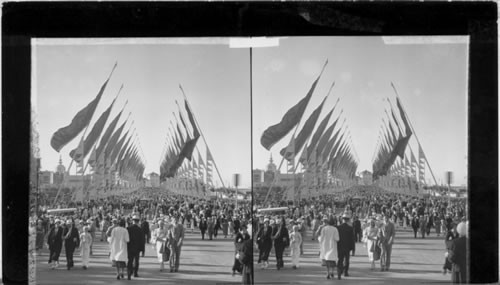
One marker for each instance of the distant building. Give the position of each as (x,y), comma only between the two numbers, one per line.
(272,176)
(258,175)
(46,178)
(366,177)
(154,179)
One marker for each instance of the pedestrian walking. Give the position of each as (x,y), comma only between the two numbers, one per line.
(118,242)
(147,233)
(85,242)
(176,236)
(245,257)
(345,245)
(54,241)
(328,239)
(386,236)
(210,226)
(415,224)
(240,238)
(370,236)
(134,246)
(423,225)
(295,242)
(71,239)
(281,240)
(203,227)
(264,243)
(457,255)
(159,240)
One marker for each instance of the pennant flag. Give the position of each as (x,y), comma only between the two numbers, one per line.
(112,143)
(325,138)
(408,131)
(291,118)
(66,134)
(105,137)
(304,133)
(93,135)
(196,133)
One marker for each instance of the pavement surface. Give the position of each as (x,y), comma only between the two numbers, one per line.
(202,262)
(413,261)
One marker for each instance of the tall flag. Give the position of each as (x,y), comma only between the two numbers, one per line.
(291,118)
(196,133)
(319,131)
(414,165)
(112,143)
(81,120)
(93,135)
(408,131)
(304,133)
(325,138)
(105,138)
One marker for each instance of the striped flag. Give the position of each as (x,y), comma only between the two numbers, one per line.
(421,165)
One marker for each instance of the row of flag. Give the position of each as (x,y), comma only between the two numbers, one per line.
(180,169)
(319,150)
(393,140)
(112,148)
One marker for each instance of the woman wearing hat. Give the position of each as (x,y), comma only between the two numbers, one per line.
(119,252)
(159,238)
(281,240)
(328,239)
(85,242)
(55,240)
(370,236)
(457,255)
(264,243)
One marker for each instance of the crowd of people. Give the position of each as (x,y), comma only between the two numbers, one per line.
(132,222)
(367,215)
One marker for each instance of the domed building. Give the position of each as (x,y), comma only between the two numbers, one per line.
(271,171)
(60,172)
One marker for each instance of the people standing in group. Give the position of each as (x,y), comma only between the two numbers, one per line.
(54,241)
(328,238)
(387,233)
(119,253)
(345,245)
(370,236)
(264,243)
(176,236)
(159,239)
(85,242)
(71,239)
(295,242)
(135,246)
(281,239)
(240,238)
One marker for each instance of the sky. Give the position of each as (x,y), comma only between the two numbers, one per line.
(68,74)
(430,77)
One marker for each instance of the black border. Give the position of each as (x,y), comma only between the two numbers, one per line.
(21,21)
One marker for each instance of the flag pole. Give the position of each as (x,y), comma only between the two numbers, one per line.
(81,141)
(291,140)
(203,136)
(413,130)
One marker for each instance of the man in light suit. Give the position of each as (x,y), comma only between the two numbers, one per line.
(386,235)
(176,236)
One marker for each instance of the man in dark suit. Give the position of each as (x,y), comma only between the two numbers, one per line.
(134,246)
(265,243)
(55,241)
(344,245)
(386,236)
(147,233)
(71,241)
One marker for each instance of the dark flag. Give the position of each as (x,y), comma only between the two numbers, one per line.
(403,117)
(196,133)
(93,135)
(107,134)
(291,118)
(325,138)
(66,134)
(304,133)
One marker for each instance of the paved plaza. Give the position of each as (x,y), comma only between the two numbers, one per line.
(202,262)
(414,261)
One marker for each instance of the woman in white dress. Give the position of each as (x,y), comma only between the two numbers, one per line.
(295,241)
(159,237)
(118,243)
(370,237)
(328,246)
